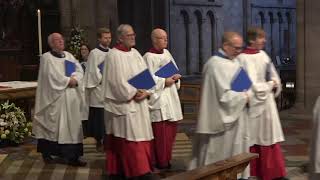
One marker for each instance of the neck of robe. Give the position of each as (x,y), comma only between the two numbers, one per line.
(250,50)
(57,54)
(121,47)
(156,51)
(102,48)
(222,54)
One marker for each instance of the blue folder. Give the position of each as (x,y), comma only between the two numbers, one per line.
(70,67)
(241,81)
(142,80)
(167,70)
(101,66)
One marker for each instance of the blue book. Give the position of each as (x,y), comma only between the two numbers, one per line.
(167,70)
(101,66)
(241,81)
(142,80)
(70,67)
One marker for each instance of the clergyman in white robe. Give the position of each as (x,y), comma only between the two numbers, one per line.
(165,108)
(264,118)
(222,126)
(128,127)
(93,81)
(57,120)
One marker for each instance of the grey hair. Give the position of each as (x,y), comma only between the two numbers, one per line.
(122,29)
(50,40)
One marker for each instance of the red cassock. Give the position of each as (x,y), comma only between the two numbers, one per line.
(164,137)
(270,164)
(127,157)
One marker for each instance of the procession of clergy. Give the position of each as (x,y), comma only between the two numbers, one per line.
(137,127)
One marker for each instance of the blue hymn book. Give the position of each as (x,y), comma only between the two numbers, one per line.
(70,67)
(143,80)
(167,70)
(101,66)
(241,81)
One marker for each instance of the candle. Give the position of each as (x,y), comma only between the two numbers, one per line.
(39,32)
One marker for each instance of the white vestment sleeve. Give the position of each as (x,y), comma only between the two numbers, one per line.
(120,89)
(93,76)
(51,84)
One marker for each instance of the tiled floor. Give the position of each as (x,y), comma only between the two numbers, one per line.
(23,162)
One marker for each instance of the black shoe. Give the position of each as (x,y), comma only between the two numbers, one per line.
(48,159)
(77,162)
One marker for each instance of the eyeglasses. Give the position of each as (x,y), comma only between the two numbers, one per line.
(236,47)
(131,35)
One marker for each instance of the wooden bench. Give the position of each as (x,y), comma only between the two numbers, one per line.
(221,170)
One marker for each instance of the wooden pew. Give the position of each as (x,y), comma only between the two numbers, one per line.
(221,170)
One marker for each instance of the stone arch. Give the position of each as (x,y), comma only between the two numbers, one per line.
(288,33)
(199,19)
(262,19)
(186,22)
(271,25)
(213,26)
(280,20)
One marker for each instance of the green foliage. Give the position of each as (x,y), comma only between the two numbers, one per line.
(77,37)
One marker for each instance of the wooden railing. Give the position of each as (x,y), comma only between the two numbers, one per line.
(222,170)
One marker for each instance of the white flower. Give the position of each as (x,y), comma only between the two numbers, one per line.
(3,124)
(7,132)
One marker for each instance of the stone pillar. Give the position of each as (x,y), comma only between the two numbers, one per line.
(312,61)
(65,16)
(89,15)
(300,61)
(308,74)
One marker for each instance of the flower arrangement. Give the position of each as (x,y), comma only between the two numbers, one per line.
(14,127)
(77,38)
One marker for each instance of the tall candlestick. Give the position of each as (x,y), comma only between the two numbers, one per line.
(39,32)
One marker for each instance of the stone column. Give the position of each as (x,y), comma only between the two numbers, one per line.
(312,60)
(65,16)
(300,62)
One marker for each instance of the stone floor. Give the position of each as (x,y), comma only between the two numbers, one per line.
(23,162)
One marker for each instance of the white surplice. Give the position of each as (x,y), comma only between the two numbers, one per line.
(164,103)
(222,127)
(314,171)
(93,77)
(57,109)
(126,118)
(264,118)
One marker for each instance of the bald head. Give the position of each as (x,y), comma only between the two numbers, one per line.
(159,39)
(56,42)
(229,36)
(232,44)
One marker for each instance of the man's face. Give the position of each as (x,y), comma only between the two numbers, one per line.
(161,40)
(128,38)
(234,47)
(57,42)
(259,43)
(105,39)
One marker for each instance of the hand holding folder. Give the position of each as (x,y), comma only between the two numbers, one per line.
(167,70)
(70,67)
(142,80)
(241,81)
